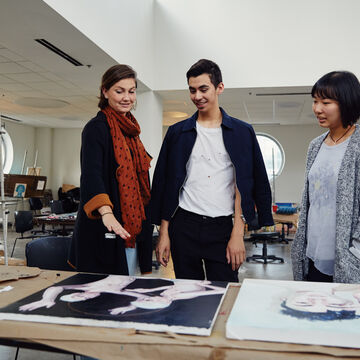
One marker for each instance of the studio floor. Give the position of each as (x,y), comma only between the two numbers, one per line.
(256,270)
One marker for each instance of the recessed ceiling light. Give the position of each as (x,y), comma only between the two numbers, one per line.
(175,114)
(36,102)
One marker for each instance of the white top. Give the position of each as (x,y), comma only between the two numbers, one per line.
(209,187)
(321,226)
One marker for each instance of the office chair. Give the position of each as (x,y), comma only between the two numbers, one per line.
(264,238)
(35,204)
(56,207)
(24,222)
(70,199)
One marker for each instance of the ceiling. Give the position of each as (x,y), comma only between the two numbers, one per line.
(37,86)
(260,106)
(40,88)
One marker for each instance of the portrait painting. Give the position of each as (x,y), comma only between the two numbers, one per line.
(19,190)
(181,306)
(297,312)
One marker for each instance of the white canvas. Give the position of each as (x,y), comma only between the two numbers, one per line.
(296,312)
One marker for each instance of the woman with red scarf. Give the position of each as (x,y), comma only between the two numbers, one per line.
(113,229)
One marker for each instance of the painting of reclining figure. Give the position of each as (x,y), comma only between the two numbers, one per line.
(182,306)
(297,312)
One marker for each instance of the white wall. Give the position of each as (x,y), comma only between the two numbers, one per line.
(65,158)
(124,29)
(43,143)
(295,140)
(149,115)
(257,43)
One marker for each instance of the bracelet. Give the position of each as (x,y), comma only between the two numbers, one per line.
(109,212)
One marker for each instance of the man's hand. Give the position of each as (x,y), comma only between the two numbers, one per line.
(163,245)
(235,251)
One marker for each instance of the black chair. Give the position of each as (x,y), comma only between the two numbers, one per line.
(70,199)
(50,252)
(23,223)
(57,207)
(35,204)
(264,238)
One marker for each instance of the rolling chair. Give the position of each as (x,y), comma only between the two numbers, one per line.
(24,222)
(264,238)
(35,204)
(56,207)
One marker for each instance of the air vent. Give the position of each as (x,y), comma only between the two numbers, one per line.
(10,118)
(59,52)
(284,94)
(265,123)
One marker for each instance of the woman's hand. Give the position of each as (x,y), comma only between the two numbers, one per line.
(112,224)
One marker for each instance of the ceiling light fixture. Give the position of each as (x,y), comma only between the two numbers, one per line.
(176,114)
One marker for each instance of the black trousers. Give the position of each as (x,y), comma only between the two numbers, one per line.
(200,241)
(316,275)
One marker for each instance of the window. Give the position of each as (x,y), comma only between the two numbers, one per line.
(7,151)
(269,146)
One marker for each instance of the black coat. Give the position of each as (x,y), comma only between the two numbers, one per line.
(90,251)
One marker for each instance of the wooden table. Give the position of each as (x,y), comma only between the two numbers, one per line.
(108,344)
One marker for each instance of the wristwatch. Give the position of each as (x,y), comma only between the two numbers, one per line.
(243,218)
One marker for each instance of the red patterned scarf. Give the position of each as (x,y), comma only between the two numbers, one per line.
(132,173)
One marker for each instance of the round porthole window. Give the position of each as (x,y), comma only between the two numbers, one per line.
(7,151)
(273,154)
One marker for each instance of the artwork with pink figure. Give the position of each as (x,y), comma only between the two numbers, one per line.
(182,306)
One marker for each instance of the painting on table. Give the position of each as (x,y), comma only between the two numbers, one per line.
(182,306)
(297,312)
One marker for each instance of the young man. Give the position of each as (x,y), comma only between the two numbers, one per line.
(209,168)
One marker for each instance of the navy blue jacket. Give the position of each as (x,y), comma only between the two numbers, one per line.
(244,151)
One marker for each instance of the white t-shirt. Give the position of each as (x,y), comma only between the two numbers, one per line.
(209,188)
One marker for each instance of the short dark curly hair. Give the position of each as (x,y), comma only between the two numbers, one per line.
(205,66)
(343,87)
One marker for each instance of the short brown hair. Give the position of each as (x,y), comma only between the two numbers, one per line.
(111,77)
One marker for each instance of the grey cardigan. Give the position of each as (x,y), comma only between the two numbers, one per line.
(347,266)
